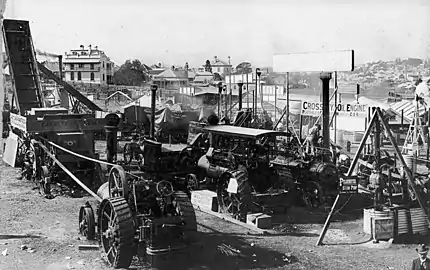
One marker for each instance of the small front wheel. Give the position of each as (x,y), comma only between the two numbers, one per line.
(87,226)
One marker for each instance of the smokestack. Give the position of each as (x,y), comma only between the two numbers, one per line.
(240,95)
(82,47)
(89,46)
(186,67)
(154,88)
(60,66)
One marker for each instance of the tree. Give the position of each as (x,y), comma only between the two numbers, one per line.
(208,66)
(412,62)
(244,68)
(132,73)
(218,77)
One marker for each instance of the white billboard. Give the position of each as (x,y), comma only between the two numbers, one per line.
(314,62)
(347,109)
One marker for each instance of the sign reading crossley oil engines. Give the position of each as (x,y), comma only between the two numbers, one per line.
(348,109)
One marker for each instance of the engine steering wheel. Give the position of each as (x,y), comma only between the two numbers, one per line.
(164,188)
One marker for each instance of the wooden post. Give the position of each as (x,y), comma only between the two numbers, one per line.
(390,187)
(276,99)
(3,93)
(327,222)
(428,139)
(401,120)
(335,107)
(287,105)
(301,128)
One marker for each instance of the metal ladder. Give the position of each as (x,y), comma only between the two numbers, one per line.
(22,65)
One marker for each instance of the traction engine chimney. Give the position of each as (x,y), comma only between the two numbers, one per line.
(154,88)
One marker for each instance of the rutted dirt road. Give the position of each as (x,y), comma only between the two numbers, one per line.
(48,228)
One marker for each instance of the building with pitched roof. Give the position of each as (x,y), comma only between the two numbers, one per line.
(89,65)
(218,66)
(171,79)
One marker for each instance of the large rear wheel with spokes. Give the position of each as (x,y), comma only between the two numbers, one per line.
(116,231)
(118,185)
(235,204)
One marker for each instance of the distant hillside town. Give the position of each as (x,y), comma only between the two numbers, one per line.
(90,70)
(91,65)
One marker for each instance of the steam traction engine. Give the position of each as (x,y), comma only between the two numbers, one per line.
(141,208)
(248,172)
(316,181)
(237,167)
(138,214)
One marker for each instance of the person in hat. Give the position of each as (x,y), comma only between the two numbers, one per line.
(422,262)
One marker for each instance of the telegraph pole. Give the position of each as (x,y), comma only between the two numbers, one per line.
(2,90)
(229,83)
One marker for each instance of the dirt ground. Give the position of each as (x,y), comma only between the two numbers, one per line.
(49,229)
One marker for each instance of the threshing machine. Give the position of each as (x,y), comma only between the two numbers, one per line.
(136,207)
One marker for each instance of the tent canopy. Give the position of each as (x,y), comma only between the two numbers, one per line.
(144,101)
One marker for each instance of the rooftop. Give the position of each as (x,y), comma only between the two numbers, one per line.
(171,75)
(85,53)
(82,60)
(52,66)
(242,131)
(218,62)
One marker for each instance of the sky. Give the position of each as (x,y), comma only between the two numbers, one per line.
(179,31)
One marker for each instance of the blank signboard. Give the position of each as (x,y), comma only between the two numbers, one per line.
(10,151)
(314,62)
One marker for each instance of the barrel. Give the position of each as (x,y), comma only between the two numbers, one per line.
(369,214)
(410,163)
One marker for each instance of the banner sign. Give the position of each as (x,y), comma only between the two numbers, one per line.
(349,109)
(18,121)
(348,185)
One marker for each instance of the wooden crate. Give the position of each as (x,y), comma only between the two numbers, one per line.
(260,220)
(204,199)
(382,228)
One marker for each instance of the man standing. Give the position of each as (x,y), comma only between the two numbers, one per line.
(422,262)
(312,138)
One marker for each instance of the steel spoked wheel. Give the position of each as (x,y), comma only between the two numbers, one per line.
(87,223)
(116,232)
(235,204)
(118,186)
